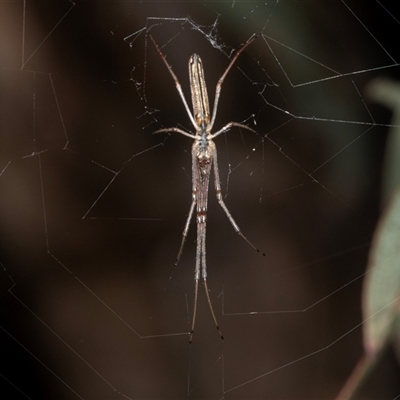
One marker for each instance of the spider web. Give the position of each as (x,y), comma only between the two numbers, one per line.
(93,204)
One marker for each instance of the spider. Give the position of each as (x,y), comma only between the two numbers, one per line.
(204,157)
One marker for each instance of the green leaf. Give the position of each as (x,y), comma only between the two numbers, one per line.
(381,294)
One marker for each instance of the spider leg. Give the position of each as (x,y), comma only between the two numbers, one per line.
(186,230)
(223,205)
(228,126)
(211,309)
(177,130)
(196,291)
(221,80)
(177,84)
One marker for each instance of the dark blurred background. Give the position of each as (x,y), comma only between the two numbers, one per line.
(93,204)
